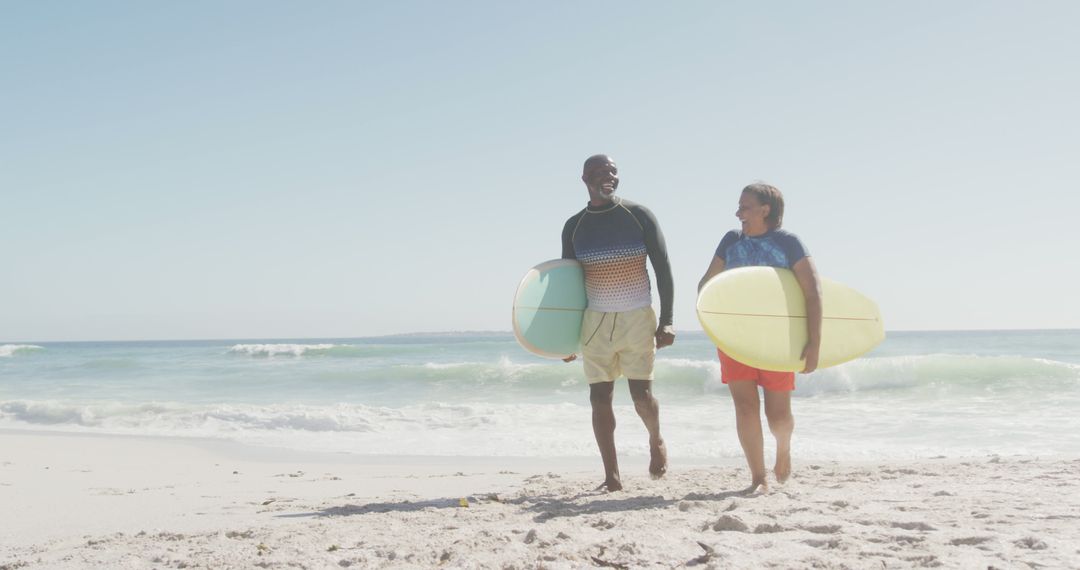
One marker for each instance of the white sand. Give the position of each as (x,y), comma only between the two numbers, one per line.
(112,502)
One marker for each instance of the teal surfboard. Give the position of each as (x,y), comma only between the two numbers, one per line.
(548,308)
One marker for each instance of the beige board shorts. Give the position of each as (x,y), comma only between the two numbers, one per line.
(618,344)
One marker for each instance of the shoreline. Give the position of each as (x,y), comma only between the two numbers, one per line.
(75,500)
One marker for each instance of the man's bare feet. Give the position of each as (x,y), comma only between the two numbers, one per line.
(658,461)
(782,470)
(610,485)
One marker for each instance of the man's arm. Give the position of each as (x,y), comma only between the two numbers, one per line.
(656,247)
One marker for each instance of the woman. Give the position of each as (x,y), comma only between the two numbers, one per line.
(762,242)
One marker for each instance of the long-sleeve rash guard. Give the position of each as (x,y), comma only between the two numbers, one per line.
(611,242)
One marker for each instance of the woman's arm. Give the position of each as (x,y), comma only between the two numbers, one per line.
(807,276)
(715,267)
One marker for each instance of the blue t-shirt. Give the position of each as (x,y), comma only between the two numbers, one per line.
(775,248)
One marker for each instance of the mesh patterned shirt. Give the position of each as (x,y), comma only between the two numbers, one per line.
(774,248)
(612,242)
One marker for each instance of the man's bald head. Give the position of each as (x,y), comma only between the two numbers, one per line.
(595,160)
(601,177)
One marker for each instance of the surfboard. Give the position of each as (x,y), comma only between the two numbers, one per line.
(757,315)
(548,307)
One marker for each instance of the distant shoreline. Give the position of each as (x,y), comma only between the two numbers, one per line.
(467,333)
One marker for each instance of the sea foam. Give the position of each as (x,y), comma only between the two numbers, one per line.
(9,350)
(271,350)
(939,394)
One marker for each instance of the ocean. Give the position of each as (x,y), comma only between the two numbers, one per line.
(918,395)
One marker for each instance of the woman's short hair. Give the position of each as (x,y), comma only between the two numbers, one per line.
(769,195)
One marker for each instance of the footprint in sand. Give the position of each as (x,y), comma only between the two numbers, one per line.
(969,541)
(687,505)
(768,528)
(830,544)
(912,526)
(114,492)
(538,478)
(238,534)
(603,524)
(926,560)
(1032,543)
(728,523)
(822,529)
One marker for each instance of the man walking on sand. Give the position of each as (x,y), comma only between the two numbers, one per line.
(620,333)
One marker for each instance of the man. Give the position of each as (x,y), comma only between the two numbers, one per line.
(611,238)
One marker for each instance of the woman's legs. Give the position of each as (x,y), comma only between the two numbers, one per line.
(748,423)
(782,424)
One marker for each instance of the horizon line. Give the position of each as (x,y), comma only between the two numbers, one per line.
(473,332)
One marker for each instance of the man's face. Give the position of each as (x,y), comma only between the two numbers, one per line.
(602,178)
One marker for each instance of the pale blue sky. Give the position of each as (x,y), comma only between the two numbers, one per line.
(282,169)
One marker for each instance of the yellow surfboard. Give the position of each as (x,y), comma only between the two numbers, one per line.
(757,315)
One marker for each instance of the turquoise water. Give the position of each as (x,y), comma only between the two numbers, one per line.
(920,394)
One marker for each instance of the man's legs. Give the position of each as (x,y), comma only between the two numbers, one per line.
(782,424)
(603,423)
(744,393)
(649,409)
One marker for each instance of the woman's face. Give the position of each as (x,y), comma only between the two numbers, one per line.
(752,214)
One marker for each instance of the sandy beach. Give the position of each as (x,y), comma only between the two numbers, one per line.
(120,502)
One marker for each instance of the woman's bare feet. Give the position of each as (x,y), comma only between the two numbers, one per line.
(759,485)
(658,461)
(782,469)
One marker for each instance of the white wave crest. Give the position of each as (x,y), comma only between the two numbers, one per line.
(706,371)
(448,365)
(842,428)
(9,350)
(228,420)
(180,419)
(949,372)
(706,365)
(431,428)
(271,350)
(505,369)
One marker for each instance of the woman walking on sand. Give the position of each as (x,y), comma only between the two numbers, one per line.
(761,242)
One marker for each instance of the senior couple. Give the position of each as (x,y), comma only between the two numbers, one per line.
(611,237)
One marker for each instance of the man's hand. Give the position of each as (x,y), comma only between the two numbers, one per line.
(570,358)
(665,336)
(810,355)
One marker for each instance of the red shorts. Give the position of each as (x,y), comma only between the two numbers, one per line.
(734,371)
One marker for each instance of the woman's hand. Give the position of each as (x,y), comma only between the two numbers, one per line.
(806,275)
(810,355)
